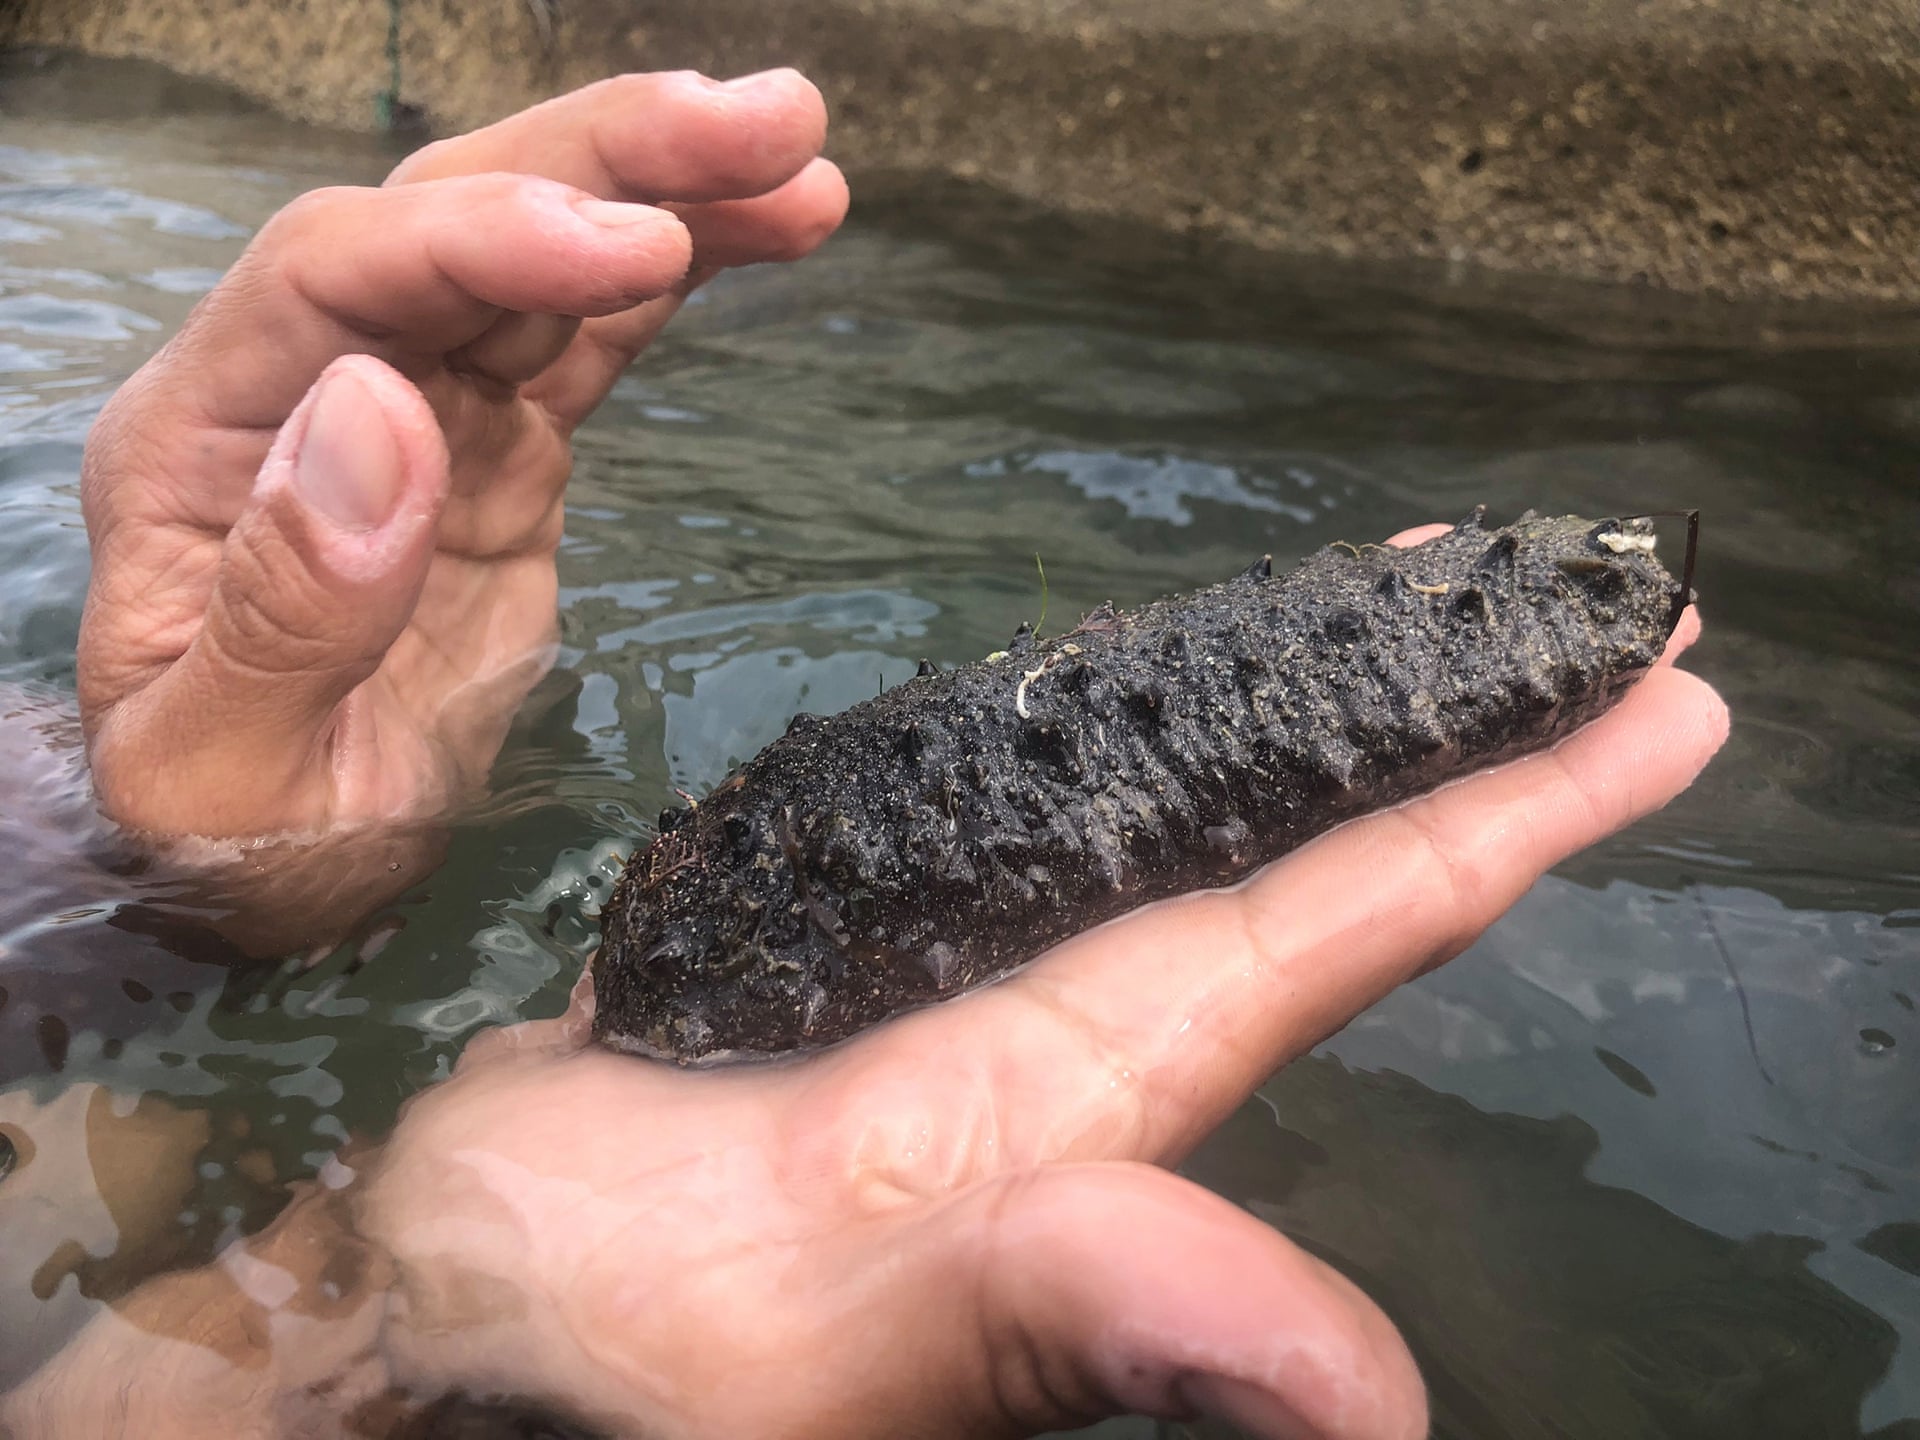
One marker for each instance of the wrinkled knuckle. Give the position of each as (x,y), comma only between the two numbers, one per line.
(267,636)
(1439,867)
(1589,804)
(1087,1047)
(1250,914)
(277,618)
(1449,885)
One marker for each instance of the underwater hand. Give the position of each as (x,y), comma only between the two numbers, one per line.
(324,516)
(955,1224)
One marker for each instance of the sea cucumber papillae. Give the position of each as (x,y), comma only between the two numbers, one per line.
(935,837)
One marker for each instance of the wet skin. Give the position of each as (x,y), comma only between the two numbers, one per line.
(340,579)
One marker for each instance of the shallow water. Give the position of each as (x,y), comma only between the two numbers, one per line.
(1646,1161)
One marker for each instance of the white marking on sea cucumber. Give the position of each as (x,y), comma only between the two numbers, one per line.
(1620,543)
(1020,694)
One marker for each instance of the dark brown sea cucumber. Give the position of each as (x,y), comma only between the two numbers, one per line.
(935,837)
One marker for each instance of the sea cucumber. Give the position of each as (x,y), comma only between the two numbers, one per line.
(935,837)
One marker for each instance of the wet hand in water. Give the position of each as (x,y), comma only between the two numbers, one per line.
(324,517)
(954,1225)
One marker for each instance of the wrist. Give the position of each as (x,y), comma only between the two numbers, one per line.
(290,894)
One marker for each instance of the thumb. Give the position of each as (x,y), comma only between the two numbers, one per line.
(316,581)
(1057,1296)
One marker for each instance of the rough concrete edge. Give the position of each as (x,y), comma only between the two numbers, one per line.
(1405,142)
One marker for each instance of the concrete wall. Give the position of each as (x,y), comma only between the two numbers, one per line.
(1730,146)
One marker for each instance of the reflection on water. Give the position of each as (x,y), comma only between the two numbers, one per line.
(1644,1162)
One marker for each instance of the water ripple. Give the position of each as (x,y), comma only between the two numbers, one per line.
(1164,487)
(72,319)
(98,204)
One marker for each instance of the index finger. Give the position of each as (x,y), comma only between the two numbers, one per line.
(676,136)
(409,275)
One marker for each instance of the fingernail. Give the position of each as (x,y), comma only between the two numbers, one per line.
(349,466)
(753,81)
(612,214)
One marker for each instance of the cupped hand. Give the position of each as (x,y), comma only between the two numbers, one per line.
(324,516)
(956,1224)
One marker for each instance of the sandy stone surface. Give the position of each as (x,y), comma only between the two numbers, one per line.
(1745,147)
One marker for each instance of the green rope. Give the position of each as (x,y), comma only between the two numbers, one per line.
(386,105)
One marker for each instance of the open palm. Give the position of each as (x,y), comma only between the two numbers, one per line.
(955,1224)
(324,517)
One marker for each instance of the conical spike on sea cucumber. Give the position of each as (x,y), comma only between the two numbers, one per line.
(1497,559)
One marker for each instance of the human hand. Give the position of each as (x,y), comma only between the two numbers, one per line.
(324,516)
(953,1225)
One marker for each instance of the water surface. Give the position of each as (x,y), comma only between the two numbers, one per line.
(1644,1162)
